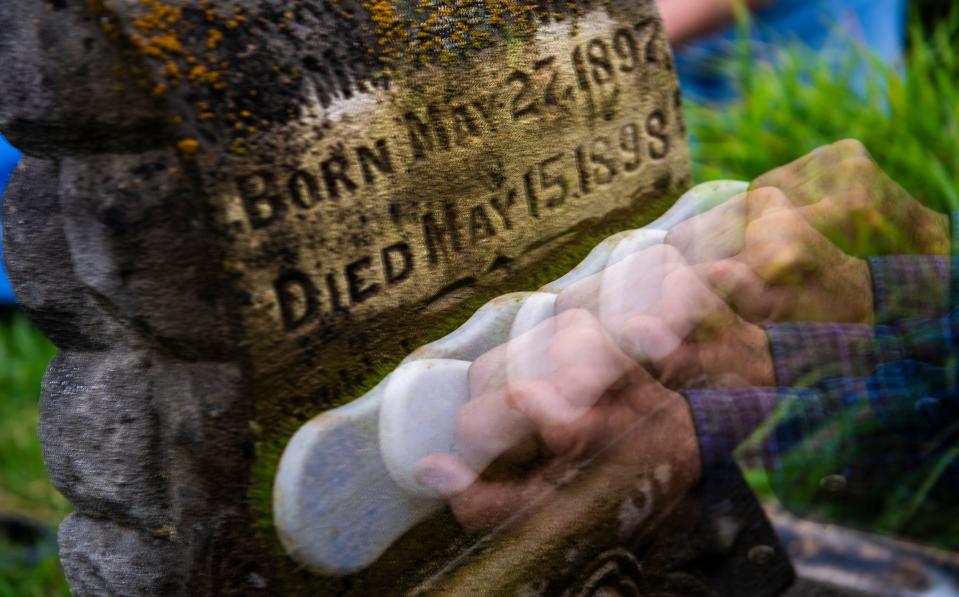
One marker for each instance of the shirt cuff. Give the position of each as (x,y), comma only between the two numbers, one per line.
(909,287)
(806,353)
(724,418)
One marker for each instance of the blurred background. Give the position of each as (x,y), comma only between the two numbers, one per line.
(762,84)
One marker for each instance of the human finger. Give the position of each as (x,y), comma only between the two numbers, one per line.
(764,201)
(648,339)
(478,504)
(489,427)
(715,234)
(744,291)
(635,285)
(688,305)
(802,179)
(778,248)
(445,474)
(562,425)
(584,359)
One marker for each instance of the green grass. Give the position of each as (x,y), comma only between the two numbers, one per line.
(909,122)
(24,487)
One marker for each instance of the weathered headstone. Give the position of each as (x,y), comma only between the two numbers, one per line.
(233,215)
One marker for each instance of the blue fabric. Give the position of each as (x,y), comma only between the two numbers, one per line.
(833,27)
(9,157)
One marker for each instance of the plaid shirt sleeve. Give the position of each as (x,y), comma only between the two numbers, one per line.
(874,431)
(911,295)
(910,287)
(804,354)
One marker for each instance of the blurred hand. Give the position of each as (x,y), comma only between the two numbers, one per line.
(842,193)
(692,338)
(660,312)
(590,410)
(787,271)
(712,235)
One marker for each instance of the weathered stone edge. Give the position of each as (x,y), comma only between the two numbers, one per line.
(151,447)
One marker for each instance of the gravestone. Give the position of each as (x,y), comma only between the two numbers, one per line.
(234,215)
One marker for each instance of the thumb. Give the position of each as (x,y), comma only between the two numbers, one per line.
(477,504)
(765,201)
(445,474)
(647,338)
(824,214)
(744,291)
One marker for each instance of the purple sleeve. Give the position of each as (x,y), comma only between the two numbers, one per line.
(806,353)
(726,417)
(909,287)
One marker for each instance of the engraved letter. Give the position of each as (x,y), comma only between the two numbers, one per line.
(262,204)
(485,106)
(480,225)
(354,279)
(436,235)
(605,169)
(380,159)
(549,181)
(629,143)
(659,142)
(334,169)
(304,191)
(463,124)
(297,297)
(502,206)
(421,133)
(392,276)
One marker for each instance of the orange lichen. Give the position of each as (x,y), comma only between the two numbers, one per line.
(156,33)
(188,147)
(448,29)
(198,72)
(214,37)
(239,147)
(168,43)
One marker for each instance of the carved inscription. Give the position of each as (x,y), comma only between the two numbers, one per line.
(422,186)
(446,230)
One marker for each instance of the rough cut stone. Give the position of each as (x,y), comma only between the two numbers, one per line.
(39,261)
(101,557)
(101,435)
(139,242)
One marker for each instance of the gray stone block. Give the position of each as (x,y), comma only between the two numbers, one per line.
(99,424)
(103,558)
(53,100)
(40,265)
(139,241)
